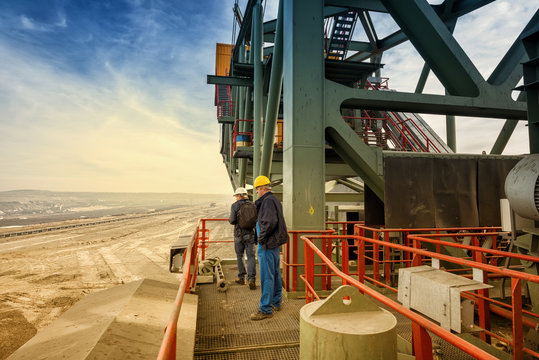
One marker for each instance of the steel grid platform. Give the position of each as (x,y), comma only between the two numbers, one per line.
(225,331)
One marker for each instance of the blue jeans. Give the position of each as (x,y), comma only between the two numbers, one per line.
(270,278)
(240,247)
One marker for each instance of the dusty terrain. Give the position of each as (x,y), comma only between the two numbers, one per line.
(42,275)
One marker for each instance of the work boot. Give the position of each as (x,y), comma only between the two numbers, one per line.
(260,316)
(240,281)
(276,308)
(252,285)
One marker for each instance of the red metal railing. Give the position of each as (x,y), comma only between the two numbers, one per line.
(248,135)
(200,240)
(204,236)
(421,341)
(403,140)
(190,264)
(376,249)
(291,266)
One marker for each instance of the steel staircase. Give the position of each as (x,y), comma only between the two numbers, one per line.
(341,34)
(225,106)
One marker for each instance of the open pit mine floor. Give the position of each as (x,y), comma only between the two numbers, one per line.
(44,274)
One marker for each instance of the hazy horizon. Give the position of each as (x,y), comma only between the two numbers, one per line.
(116,192)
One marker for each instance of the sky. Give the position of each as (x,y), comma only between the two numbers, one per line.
(111,95)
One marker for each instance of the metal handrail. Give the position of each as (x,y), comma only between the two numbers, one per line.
(483,302)
(168,345)
(422,351)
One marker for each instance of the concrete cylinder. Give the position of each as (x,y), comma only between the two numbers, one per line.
(347,325)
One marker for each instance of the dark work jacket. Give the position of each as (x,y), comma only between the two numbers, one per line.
(271,222)
(248,236)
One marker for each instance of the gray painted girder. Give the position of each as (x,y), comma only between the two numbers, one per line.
(274,96)
(303,89)
(432,39)
(495,106)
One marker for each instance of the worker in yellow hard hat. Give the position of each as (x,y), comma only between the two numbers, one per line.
(271,234)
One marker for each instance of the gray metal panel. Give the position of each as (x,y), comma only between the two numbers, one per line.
(491,180)
(448,190)
(428,192)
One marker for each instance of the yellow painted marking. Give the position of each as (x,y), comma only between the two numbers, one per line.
(311,211)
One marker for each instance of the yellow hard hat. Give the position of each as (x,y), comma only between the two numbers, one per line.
(260,181)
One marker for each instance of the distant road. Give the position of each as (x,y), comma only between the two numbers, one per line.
(70,226)
(91,214)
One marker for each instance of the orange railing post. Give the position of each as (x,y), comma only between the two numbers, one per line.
(376,258)
(167,351)
(344,257)
(295,261)
(309,271)
(518,337)
(421,342)
(387,263)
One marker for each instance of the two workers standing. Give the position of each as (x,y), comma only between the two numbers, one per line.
(270,233)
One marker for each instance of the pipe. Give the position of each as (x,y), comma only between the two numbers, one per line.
(256,45)
(274,96)
(222,285)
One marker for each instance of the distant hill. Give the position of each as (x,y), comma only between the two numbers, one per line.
(31,206)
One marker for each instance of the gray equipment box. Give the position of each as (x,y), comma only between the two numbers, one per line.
(436,294)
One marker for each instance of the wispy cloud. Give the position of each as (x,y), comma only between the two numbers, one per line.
(111,96)
(136,116)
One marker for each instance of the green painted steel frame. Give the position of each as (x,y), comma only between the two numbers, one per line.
(422,24)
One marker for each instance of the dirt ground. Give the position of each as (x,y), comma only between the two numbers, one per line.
(42,275)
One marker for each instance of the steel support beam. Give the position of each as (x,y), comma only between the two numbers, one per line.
(531,85)
(506,132)
(229,80)
(333,171)
(303,87)
(274,96)
(366,161)
(240,113)
(483,106)
(345,197)
(258,106)
(451,131)
(432,39)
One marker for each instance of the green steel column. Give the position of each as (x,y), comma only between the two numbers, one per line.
(422,79)
(240,113)
(303,92)
(434,42)
(256,44)
(303,154)
(274,96)
(503,137)
(451,130)
(531,78)
(506,132)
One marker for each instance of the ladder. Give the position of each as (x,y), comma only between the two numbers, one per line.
(341,34)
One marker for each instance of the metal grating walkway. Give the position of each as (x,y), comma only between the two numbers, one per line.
(225,331)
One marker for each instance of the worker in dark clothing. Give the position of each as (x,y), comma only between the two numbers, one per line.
(271,234)
(244,239)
